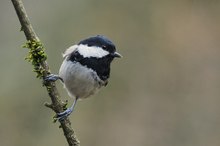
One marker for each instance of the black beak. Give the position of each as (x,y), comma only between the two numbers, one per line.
(116,54)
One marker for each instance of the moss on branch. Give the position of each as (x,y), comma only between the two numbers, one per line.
(36,56)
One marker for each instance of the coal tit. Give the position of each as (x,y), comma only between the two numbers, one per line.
(86,68)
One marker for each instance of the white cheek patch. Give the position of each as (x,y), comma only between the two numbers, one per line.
(91,51)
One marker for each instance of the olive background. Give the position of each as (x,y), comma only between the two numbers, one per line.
(165,91)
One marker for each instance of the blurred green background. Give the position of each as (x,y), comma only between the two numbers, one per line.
(164,92)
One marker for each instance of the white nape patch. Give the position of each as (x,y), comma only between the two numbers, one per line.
(69,50)
(91,51)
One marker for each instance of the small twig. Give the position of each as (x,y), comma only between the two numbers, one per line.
(38,58)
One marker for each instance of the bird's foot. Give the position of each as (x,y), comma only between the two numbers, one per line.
(66,113)
(61,116)
(52,78)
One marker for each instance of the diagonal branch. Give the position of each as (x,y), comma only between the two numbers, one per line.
(38,58)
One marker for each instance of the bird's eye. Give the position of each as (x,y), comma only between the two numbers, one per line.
(104,47)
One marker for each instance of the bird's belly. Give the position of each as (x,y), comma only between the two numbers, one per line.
(81,88)
(79,81)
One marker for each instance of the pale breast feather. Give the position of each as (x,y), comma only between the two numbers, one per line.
(69,51)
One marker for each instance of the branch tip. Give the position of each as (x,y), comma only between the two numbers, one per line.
(49,105)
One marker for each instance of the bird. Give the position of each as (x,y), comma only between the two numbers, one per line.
(85,68)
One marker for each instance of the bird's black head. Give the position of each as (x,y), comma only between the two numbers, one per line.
(99,41)
(96,53)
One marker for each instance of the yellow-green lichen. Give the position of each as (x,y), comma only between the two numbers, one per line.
(36,56)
